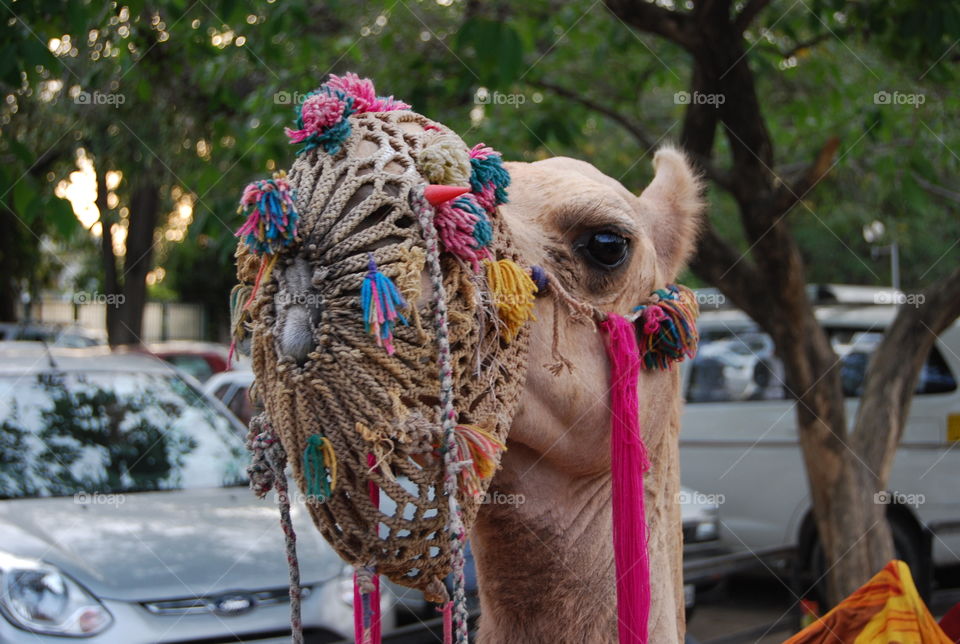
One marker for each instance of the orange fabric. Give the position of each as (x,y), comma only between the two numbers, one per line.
(885,610)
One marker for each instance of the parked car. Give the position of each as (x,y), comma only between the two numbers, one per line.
(125,516)
(199,359)
(739,439)
(699,512)
(232,389)
(58,335)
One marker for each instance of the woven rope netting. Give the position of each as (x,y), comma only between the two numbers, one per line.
(319,372)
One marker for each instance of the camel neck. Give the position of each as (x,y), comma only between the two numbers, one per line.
(544,555)
(543,547)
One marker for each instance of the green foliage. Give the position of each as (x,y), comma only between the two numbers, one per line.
(204,110)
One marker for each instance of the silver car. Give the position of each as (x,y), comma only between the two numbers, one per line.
(125,515)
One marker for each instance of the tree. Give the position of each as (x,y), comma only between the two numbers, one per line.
(845,468)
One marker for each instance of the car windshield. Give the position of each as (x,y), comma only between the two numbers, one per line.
(109,432)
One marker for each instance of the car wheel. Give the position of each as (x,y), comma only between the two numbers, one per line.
(908,546)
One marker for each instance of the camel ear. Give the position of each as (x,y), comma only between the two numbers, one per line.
(671,207)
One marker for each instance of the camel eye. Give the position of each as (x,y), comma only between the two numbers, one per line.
(604,249)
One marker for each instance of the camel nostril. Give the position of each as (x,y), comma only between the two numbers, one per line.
(299,308)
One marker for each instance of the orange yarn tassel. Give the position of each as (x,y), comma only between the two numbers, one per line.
(482,448)
(513,293)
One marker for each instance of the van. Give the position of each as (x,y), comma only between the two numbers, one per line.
(739,443)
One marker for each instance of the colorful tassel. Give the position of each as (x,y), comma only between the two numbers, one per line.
(666,329)
(381,301)
(456,222)
(513,293)
(319,468)
(628,463)
(488,177)
(271,215)
(480,449)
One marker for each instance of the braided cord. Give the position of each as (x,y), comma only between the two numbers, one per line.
(448,414)
(268,470)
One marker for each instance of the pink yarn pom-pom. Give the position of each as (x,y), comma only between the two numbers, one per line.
(455,227)
(318,112)
(364,95)
(482,151)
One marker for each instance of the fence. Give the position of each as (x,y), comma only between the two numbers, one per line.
(161,320)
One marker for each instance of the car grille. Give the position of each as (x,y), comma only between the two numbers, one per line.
(208,604)
(310,636)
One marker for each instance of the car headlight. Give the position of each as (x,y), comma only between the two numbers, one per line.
(38,597)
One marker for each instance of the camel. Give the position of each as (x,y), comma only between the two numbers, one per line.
(545,566)
(343,402)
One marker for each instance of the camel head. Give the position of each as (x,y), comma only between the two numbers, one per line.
(408,322)
(543,542)
(607,247)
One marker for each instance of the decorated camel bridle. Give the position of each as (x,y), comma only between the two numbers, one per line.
(368,380)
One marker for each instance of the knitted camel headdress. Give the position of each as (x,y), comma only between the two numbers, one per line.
(384,308)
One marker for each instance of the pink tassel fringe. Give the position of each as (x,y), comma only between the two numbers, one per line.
(629,462)
(368,603)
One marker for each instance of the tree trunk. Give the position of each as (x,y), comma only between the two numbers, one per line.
(127,294)
(11,257)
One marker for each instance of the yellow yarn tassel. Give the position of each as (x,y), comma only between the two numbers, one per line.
(513,292)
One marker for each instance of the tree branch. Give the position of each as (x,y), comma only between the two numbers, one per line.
(749,13)
(788,197)
(626,123)
(933,188)
(718,263)
(647,16)
(894,368)
(704,164)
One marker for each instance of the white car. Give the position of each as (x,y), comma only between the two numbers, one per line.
(125,514)
(739,441)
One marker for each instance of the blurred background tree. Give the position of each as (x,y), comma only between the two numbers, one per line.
(170,107)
